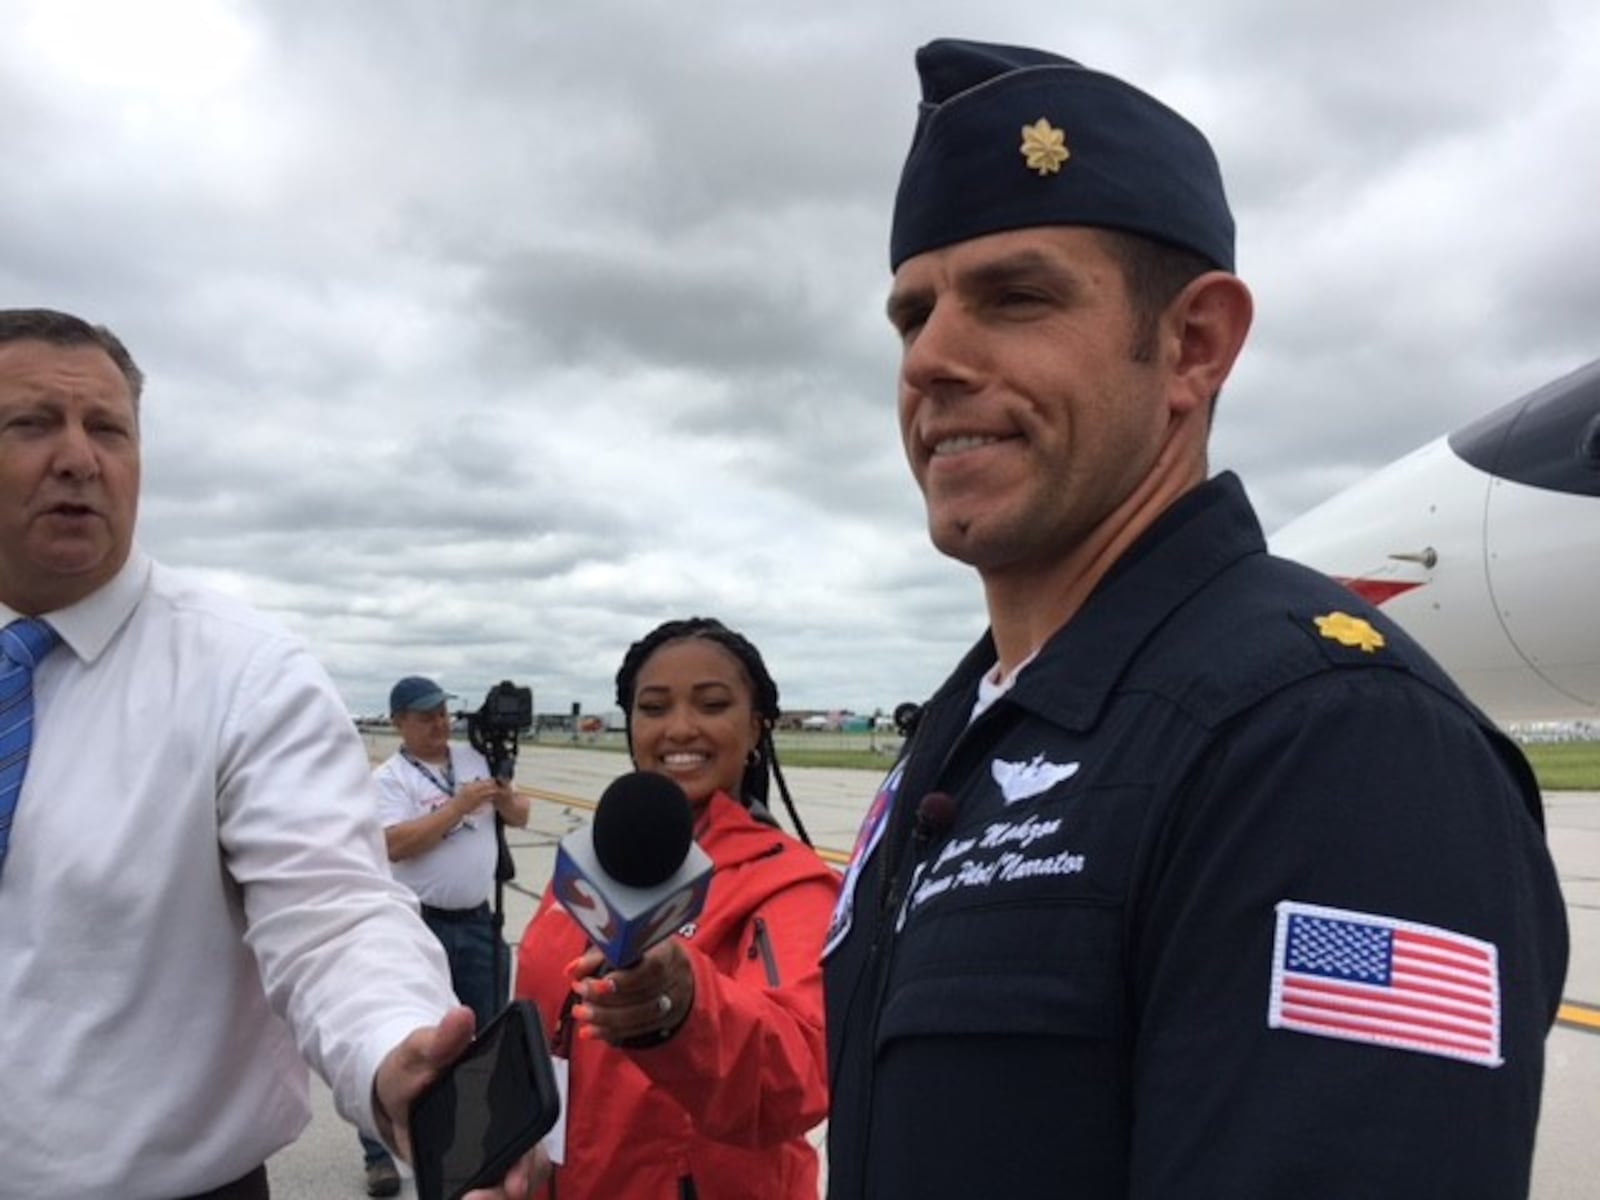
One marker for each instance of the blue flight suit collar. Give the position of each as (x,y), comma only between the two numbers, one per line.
(1069,681)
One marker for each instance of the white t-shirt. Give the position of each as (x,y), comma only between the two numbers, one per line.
(459,871)
(993,685)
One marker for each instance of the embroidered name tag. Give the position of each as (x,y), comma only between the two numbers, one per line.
(1361,977)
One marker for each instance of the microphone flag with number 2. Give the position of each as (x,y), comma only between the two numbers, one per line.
(642,832)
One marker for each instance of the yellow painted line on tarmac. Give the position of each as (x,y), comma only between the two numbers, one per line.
(837,858)
(560,798)
(1580,1016)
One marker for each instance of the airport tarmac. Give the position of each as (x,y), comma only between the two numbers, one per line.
(325,1164)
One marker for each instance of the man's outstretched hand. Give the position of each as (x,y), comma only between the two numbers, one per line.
(415,1063)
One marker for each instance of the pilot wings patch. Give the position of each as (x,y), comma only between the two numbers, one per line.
(1025,780)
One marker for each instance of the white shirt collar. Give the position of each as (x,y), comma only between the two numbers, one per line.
(993,685)
(89,625)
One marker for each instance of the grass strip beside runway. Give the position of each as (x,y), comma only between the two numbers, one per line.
(1559,766)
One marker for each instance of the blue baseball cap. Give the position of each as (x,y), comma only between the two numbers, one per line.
(1011,138)
(416,694)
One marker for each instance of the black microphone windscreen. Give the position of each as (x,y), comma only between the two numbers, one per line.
(936,813)
(642,829)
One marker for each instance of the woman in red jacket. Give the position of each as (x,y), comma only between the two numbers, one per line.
(697,1072)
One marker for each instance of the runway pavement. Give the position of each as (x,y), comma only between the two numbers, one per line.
(325,1164)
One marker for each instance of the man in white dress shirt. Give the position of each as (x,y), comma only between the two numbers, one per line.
(193,896)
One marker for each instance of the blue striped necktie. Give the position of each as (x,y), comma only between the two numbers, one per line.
(22,645)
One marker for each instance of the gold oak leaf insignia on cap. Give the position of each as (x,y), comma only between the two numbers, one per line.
(1044,147)
(1349,631)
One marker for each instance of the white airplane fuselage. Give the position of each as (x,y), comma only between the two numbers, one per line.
(1485,546)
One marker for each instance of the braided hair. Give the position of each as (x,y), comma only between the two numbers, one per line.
(763,762)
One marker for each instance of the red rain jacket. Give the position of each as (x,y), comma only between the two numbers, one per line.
(720,1111)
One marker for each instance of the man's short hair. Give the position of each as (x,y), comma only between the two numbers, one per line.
(1153,273)
(64,329)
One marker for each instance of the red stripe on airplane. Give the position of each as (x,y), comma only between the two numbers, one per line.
(1376,591)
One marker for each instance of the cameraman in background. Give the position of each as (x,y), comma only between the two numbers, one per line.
(438,802)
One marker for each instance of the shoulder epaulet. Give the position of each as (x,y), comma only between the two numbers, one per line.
(1348,640)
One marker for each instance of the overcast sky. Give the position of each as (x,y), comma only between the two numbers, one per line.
(482,335)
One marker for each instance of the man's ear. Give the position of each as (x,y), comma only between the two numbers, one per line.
(1209,320)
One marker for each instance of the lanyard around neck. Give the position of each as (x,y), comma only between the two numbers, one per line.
(446,784)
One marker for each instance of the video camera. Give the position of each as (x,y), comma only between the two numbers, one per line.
(493,730)
(506,714)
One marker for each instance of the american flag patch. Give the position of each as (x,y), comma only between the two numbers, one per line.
(1365,978)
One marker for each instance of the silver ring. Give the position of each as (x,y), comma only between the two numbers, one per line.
(664,1003)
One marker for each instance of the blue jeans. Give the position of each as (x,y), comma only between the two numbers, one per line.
(373,1151)
(468,939)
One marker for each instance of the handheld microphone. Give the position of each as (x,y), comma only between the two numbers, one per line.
(635,875)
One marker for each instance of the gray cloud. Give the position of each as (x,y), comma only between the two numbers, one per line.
(482,337)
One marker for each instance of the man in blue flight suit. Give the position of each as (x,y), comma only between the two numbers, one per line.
(1197,878)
